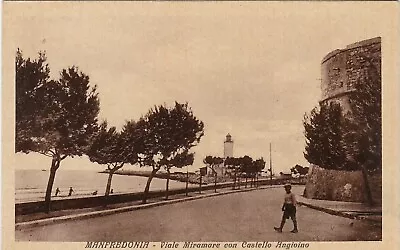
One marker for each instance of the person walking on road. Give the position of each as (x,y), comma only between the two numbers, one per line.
(57,191)
(70,191)
(289,209)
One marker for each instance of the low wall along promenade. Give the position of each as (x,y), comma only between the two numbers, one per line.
(97,201)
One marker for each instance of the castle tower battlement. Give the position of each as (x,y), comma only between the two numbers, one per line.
(341,68)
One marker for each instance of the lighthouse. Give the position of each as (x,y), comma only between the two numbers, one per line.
(228,146)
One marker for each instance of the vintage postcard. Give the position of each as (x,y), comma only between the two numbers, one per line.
(200,125)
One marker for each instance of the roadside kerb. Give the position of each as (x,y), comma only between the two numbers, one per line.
(47,221)
(345,214)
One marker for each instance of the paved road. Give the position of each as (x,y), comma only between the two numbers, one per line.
(246,216)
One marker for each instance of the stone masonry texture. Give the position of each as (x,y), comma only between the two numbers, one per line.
(341,68)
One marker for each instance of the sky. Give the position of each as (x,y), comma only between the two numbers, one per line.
(245,68)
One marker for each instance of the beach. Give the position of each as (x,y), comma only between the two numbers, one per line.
(30,185)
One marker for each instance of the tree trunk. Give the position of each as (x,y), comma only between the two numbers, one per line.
(200,183)
(55,164)
(238,182)
(167,185)
(215,181)
(234,181)
(147,188)
(108,187)
(368,192)
(187,182)
(257,183)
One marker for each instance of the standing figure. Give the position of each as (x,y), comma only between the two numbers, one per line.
(70,191)
(57,191)
(289,209)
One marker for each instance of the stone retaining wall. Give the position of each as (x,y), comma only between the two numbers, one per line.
(326,184)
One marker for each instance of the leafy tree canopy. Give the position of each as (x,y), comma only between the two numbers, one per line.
(168,133)
(299,170)
(213,160)
(54,118)
(106,147)
(323,131)
(259,164)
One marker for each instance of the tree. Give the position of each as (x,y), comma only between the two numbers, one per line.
(299,170)
(323,130)
(30,78)
(166,133)
(64,116)
(109,147)
(213,162)
(363,138)
(259,165)
(232,164)
(179,161)
(245,163)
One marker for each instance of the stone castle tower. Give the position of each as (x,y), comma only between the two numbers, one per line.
(341,68)
(228,146)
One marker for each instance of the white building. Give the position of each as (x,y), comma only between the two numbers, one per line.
(228,152)
(228,146)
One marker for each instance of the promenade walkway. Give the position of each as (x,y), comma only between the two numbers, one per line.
(352,210)
(232,216)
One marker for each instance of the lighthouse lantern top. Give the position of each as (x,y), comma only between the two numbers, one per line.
(228,138)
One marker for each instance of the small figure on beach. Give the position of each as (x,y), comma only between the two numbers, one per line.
(112,191)
(57,191)
(70,191)
(289,209)
(95,192)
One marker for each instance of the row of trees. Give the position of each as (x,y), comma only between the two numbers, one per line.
(349,139)
(160,139)
(238,166)
(58,118)
(55,118)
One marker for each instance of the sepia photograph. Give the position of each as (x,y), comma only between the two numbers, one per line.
(217,125)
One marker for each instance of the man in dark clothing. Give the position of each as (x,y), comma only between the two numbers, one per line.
(289,209)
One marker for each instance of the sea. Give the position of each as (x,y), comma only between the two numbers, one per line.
(30,185)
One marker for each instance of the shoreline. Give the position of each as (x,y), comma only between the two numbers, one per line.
(181,177)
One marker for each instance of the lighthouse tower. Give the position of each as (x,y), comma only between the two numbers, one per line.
(228,146)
